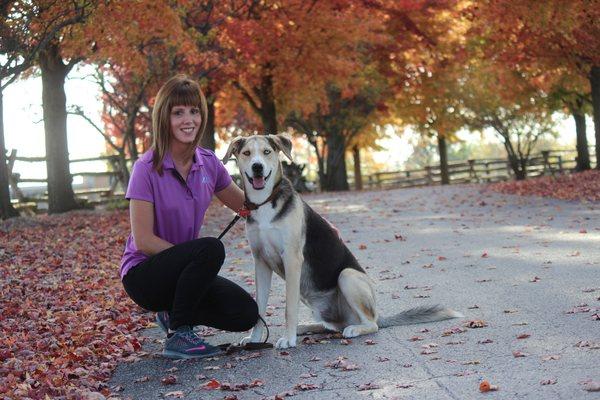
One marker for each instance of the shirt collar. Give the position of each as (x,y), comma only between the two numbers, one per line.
(196,163)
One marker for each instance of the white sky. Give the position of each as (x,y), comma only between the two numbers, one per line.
(23,108)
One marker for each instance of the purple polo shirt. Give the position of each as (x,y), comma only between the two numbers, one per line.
(179,206)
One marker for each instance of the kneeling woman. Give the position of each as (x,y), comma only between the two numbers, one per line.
(166,268)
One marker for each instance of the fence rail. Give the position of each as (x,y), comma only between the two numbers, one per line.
(549,162)
(92,194)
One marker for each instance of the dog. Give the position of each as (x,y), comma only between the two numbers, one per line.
(289,238)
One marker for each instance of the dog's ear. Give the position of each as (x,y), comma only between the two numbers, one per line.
(282,143)
(234,148)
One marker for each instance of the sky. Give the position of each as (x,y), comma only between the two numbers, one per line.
(24,129)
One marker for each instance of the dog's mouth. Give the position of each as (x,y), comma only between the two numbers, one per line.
(258,182)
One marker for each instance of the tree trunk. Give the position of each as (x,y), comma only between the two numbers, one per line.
(321,170)
(130,132)
(6,208)
(515,165)
(54,72)
(583,153)
(595,83)
(336,176)
(268,113)
(443,151)
(208,139)
(357,168)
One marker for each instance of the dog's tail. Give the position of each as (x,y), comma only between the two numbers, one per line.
(418,315)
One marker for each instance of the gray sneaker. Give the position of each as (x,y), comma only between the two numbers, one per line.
(185,343)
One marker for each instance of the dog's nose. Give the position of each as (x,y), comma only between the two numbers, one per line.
(257,168)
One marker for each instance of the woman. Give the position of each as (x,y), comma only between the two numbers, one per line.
(165,267)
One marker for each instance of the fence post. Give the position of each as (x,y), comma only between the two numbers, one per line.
(560,166)
(472,173)
(547,166)
(13,179)
(429,175)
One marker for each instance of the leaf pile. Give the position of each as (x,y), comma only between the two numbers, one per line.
(66,320)
(581,186)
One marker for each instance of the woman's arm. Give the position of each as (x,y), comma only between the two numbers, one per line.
(232,196)
(142,227)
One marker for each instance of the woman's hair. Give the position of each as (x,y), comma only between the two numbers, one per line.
(180,90)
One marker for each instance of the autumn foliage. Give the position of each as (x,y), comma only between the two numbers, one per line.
(583,186)
(66,320)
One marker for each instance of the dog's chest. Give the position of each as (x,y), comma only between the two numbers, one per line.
(267,243)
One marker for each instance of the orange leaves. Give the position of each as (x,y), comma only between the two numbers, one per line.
(583,186)
(66,318)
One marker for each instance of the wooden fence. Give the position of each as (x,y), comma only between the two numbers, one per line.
(550,162)
(93,194)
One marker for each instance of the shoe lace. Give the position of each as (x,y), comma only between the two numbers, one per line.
(193,338)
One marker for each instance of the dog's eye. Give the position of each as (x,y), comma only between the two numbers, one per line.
(246,153)
(267,151)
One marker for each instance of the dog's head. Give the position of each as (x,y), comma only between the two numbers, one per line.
(258,159)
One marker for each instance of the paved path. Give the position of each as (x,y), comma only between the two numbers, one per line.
(525,266)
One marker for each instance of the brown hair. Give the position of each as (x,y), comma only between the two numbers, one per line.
(180,90)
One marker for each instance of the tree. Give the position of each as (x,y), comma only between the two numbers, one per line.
(26,30)
(491,96)
(344,122)
(287,52)
(132,61)
(420,65)
(550,33)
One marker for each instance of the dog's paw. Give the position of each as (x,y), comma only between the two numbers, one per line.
(351,331)
(284,343)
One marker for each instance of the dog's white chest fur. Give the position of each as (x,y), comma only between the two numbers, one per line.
(266,239)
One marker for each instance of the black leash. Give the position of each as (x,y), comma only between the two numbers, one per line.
(229,348)
(231,224)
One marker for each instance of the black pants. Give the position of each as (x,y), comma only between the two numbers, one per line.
(183,280)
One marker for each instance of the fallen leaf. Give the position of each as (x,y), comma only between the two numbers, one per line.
(306,386)
(368,386)
(213,384)
(178,394)
(551,357)
(476,323)
(523,336)
(548,382)
(169,380)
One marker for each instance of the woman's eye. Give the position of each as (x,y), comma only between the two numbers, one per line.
(267,151)
(195,110)
(246,153)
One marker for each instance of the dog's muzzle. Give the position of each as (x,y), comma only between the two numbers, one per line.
(258,180)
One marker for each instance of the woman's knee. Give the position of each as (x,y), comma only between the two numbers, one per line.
(211,250)
(248,316)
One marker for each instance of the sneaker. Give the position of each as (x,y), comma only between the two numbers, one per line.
(185,343)
(162,320)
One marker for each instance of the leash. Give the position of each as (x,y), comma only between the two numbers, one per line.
(229,348)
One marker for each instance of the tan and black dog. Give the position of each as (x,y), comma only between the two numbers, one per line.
(289,238)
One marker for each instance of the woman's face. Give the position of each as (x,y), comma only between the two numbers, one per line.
(185,123)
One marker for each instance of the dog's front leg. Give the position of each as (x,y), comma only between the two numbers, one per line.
(293,270)
(262,274)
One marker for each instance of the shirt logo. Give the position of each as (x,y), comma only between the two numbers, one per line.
(205,179)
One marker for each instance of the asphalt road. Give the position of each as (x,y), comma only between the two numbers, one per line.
(523,265)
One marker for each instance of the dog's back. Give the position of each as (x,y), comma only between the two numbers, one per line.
(324,252)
